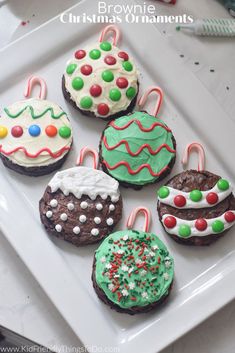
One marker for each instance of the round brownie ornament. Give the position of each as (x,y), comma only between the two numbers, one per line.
(101,80)
(133,270)
(35,134)
(196,207)
(81,205)
(138,149)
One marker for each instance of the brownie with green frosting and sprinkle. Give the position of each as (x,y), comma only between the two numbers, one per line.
(196,207)
(132,271)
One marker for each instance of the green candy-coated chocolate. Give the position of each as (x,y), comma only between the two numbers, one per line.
(65,132)
(115,94)
(223,184)
(77,83)
(86,102)
(127,65)
(195,195)
(217,226)
(107,76)
(184,230)
(131,92)
(106,46)
(163,192)
(137,286)
(71,68)
(95,54)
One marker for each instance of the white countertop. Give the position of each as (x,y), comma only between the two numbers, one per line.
(23,305)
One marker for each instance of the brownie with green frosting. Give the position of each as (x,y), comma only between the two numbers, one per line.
(132,271)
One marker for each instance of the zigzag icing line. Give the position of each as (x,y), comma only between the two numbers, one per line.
(133,172)
(30,155)
(142,128)
(34,116)
(133,154)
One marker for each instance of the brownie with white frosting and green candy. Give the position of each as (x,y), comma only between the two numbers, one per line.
(101,81)
(196,207)
(132,271)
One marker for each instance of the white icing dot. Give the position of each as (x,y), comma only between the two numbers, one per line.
(111,207)
(97,220)
(144,295)
(58,228)
(84,205)
(104,196)
(166,276)
(115,198)
(125,293)
(95,231)
(76,230)
(54,203)
(109,221)
(63,217)
(103,259)
(82,218)
(99,206)
(49,214)
(70,206)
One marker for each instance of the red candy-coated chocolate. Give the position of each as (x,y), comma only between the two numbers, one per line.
(170,222)
(123,55)
(17,131)
(86,70)
(80,54)
(201,224)
(229,216)
(122,82)
(212,198)
(95,90)
(180,201)
(103,109)
(51,130)
(110,60)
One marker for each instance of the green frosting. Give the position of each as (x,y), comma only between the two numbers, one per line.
(133,268)
(33,115)
(135,137)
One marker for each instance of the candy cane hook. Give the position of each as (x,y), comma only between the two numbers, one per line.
(135,213)
(84,152)
(32,81)
(143,99)
(116,34)
(201,155)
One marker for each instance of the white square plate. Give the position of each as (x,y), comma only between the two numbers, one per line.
(203,276)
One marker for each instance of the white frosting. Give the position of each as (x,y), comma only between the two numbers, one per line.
(53,203)
(95,78)
(63,217)
(99,206)
(194,230)
(70,206)
(85,181)
(109,221)
(76,230)
(95,231)
(34,144)
(169,200)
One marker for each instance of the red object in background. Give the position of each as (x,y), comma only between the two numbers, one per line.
(169,1)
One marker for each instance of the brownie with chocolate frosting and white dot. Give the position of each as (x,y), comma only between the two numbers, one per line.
(81,205)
